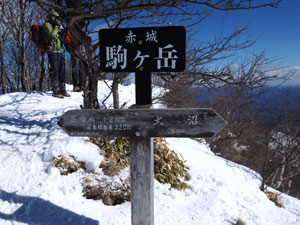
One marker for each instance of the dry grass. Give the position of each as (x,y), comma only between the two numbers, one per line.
(67,165)
(273,197)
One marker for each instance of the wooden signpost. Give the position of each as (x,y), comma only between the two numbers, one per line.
(140,125)
(142,50)
(143,123)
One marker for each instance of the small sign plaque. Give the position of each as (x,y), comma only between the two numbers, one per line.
(146,49)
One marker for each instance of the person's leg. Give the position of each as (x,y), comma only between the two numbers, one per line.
(76,76)
(80,65)
(62,74)
(75,70)
(53,72)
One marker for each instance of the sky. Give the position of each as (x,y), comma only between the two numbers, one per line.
(276,30)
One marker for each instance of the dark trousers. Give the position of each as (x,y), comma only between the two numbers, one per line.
(76,71)
(57,72)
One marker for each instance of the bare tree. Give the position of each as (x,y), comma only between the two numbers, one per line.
(281,165)
(282,143)
(263,137)
(15,17)
(146,12)
(18,15)
(3,75)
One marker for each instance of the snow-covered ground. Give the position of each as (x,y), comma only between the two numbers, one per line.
(33,192)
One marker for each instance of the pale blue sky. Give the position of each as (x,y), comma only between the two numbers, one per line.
(276,30)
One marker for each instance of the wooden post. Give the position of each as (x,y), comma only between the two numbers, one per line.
(143,90)
(141,160)
(142,178)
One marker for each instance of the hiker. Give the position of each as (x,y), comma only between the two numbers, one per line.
(56,56)
(76,63)
(76,73)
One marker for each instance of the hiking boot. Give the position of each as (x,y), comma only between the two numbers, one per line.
(65,94)
(76,89)
(57,95)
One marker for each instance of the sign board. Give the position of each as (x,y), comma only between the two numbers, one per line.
(142,50)
(147,49)
(142,122)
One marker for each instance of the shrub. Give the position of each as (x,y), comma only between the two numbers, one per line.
(237,222)
(273,197)
(168,166)
(67,165)
(116,149)
(110,192)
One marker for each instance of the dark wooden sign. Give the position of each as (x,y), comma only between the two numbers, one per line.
(146,49)
(142,122)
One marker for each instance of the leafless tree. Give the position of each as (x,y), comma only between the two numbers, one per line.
(282,143)
(142,11)
(263,137)
(17,16)
(281,165)
(3,38)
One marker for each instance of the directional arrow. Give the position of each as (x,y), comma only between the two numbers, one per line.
(199,122)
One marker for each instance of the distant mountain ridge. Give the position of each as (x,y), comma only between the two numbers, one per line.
(289,76)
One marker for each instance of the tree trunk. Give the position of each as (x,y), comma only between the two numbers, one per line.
(264,168)
(115,91)
(90,93)
(2,71)
(289,185)
(90,74)
(23,73)
(90,90)
(282,171)
(25,76)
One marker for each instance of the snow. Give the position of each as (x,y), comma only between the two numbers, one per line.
(33,192)
(239,148)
